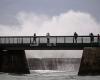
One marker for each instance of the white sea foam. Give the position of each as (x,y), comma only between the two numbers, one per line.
(46,71)
(48,75)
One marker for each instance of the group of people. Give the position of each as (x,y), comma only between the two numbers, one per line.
(47,35)
(74,38)
(91,37)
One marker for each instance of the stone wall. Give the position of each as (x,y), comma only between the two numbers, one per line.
(90,62)
(13,61)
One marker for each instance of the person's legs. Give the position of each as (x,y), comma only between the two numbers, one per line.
(75,39)
(34,40)
(47,40)
(90,40)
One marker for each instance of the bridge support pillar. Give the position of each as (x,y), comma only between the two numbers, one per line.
(13,61)
(90,62)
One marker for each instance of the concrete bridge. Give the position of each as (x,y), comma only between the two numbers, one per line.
(13,59)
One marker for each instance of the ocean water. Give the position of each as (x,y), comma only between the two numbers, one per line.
(47,75)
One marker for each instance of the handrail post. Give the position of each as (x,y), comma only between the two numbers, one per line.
(30,40)
(9,40)
(56,39)
(73,39)
(5,40)
(17,40)
(22,40)
(82,39)
(39,40)
(13,40)
(64,39)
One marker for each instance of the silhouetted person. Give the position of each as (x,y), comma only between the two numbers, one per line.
(91,37)
(75,37)
(98,38)
(34,38)
(48,37)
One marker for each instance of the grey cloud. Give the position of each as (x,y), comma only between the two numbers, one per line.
(9,8)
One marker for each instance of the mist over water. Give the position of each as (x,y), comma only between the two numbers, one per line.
(63,24)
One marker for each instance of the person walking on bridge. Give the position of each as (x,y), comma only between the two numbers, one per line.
(48,38)
(34,38)
(91,37)
(75,37)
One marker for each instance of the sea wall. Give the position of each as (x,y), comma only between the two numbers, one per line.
(90,62)
(13,61)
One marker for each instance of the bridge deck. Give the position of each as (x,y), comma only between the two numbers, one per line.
(41,43)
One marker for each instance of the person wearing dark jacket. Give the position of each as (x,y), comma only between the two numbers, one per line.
(34,38)
(91,37)
(75,37)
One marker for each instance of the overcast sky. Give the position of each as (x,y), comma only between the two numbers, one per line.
(9,8)
(59,17)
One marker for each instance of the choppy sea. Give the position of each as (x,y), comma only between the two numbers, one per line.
(47,75)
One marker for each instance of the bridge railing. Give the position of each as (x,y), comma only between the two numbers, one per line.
(43,39)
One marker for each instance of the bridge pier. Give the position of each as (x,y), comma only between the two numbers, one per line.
(90,62)
(13,61)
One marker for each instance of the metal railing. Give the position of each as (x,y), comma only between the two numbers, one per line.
(43,39)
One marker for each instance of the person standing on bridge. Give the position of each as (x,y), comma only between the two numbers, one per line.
(34,38)
(91,37)
(48,38)
(75,37)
